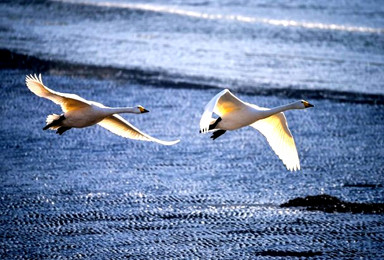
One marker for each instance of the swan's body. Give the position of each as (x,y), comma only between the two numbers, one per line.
(234,113)
(79,113)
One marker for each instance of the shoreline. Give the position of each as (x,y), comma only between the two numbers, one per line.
(15,60)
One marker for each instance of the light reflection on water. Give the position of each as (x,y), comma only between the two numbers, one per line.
(91,193)
(239,18)
(311,46)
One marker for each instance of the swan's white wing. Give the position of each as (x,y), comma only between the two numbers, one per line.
(221,104)
(66,101)
(118,125)
(276,131)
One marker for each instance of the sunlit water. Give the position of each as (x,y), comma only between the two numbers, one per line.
(286,44)
(91,194)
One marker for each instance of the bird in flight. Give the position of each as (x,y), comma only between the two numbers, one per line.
(234,114)
(79,113)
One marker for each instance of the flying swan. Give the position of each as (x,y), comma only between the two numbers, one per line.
(234,114)
(80,113)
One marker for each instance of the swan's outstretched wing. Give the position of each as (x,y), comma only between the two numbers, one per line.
(66,101)
(221,104)
(118,125)
(276,131)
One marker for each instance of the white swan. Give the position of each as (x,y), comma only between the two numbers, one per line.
(80,113)
(234,114)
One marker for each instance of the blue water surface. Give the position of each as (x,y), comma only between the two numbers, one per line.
(94,195)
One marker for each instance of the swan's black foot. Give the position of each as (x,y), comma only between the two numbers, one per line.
(62,129)
(218,133)
(213,126)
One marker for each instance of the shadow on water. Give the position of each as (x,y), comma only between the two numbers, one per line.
(288,253)
(331,204)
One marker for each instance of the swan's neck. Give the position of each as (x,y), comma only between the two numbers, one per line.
(279,109)
(120,110)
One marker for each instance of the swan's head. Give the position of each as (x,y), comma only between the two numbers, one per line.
(304,104)
(142,109)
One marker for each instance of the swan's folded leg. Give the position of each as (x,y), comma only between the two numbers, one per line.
(218,133)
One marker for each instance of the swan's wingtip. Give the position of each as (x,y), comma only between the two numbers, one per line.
(174,142)
(293,168)
(33,77)
(28,77)
(170,142)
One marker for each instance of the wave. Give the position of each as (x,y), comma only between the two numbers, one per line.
(238,18)
(14,60)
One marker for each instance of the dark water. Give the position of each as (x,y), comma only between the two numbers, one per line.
(90,194)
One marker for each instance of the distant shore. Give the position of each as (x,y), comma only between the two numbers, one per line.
(12,59)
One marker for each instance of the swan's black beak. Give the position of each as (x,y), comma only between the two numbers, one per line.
(310,105)
(142,109)
(307,104)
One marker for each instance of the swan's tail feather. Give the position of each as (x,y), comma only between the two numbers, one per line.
(52,122)
(212,124)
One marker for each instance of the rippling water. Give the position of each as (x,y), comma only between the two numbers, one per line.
(91,194)
(286,44)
